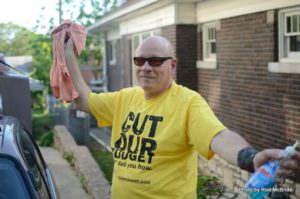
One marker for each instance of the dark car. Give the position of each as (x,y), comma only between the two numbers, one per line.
(23,171)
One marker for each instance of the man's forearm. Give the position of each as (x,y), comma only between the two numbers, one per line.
(77,79)
(227,144)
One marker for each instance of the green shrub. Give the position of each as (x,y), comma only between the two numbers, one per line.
(41,124)
(209,186)
(47,139)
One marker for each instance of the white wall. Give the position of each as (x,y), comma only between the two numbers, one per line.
(219,9)
(158,18)
(113,34)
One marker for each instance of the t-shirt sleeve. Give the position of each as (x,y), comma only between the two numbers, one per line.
(202,126)
(102,107)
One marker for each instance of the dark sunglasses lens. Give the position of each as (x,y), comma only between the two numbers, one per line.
(139,61)
(155,61)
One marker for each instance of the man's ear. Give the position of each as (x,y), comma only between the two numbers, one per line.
(174,63)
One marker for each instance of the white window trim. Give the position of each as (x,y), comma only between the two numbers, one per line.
(208,62)
(206,55)
(113,61)
(290,64)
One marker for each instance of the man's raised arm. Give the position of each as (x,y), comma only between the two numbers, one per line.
(82,101)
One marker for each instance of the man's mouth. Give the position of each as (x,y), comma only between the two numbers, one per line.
(146,77)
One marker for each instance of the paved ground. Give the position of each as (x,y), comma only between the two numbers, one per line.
(66,179)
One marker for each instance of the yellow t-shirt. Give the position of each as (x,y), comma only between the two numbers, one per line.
(155,142)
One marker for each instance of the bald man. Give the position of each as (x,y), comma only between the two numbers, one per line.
(159,128)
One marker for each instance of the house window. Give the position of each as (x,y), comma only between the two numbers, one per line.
(111,52)
(289,42)
(209,46)
(135,42)
(210,43)
(291,35)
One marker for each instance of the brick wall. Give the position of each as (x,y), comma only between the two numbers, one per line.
(262,106)
(184,40)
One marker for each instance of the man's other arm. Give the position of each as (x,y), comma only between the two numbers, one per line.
(227,144)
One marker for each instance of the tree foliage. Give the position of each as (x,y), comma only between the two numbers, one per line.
(42,58)
(92,54)
(17,41)
(84,12)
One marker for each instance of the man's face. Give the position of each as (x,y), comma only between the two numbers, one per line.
(155,79)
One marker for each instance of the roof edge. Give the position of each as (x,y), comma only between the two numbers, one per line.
(120,13)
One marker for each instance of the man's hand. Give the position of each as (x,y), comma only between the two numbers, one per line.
(287,165)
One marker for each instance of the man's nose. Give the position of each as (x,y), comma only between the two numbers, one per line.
(146,66)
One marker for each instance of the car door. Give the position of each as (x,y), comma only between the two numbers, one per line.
(34,161)
(13,184)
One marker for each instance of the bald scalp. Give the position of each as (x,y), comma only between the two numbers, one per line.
(156,44)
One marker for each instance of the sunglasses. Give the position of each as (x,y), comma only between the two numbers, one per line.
(152,61)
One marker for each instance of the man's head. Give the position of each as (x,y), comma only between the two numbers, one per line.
(155,64)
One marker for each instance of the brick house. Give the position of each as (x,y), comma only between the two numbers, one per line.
(242,56)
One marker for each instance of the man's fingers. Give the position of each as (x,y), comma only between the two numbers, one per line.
(285,173)
(289,164)
(267,155)
(296,155)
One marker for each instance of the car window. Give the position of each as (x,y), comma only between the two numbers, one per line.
(33,161)
(12,184)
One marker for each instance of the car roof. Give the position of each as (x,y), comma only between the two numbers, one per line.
(8,141)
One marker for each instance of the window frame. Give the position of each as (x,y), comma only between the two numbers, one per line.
(285,54)
(209,30)
(288,62)
(112,52)
(209,59)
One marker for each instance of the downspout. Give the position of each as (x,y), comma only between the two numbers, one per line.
(104,50)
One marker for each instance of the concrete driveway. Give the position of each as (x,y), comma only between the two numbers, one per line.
(66,179)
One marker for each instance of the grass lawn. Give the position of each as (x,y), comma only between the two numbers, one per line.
(103,158)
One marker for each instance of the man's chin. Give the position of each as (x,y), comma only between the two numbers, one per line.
(146,87)
(145,84)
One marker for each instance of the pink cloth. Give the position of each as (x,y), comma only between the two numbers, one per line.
(60,79)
